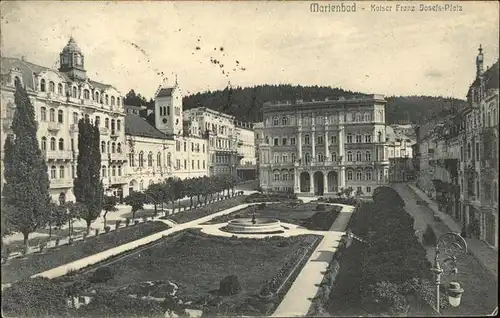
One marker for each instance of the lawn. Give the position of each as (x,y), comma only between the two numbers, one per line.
(304,214)
(17,246)
(35,263)
(197,263)
(199,212)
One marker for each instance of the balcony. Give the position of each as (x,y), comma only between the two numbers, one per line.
(115,133)
(117,180)
(61,183)
(104,131)
(73,128)
(58,155)
(54,126)
(117,157)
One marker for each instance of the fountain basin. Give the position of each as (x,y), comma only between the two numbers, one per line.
(262,225)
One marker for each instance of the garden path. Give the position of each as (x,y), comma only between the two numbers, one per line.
(298,299)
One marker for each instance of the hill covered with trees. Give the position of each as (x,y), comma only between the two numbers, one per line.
(246,103)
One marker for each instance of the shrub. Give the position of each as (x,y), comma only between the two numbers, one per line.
(136,222)
(107,228)
(229,285)
(320,207)
(321,199)
(101,275)
(429,237)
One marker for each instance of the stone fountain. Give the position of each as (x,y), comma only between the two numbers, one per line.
(254,225)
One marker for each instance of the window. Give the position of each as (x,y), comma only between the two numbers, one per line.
(131,160)
(203,164)
(112,101)
(75,118)
(53,172)
(276,141)
(349,175)
(358,155)
(283,141)
(118,125)
(368,139)
(113,171)
(61,144)
(358,116)
(333,139)
(185,164)
(185,146)
(368,117)
(192,164)
(198,164)
(292,141)
(169,159)
(43,146)
(141,159)
(359,175)
(52,143)
(334,156)
(118,101)
(349,156)
(368,175)
(97,97)
(60,115)
(461,153)
(42,85)
(108,146)
(59,89)
(150,159)
(52,114)
(113,147)
(73,91)
(320,140)
(275,121)
(308,157)
(368,155)
(103,146)
(349,138)
(321,158)
(285,176)
(284,158)
(61,172)
(52,87)
(86,94)
(276,158)
(203,148)
(469,151)
(158,159)
(306,140)
(477,151)
(358,139)
(43,114)
(276,176)
(368,189)
(283,121)
(119,171)
(106,99)
(293,157)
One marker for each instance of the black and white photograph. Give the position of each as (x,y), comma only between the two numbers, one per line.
(249,158)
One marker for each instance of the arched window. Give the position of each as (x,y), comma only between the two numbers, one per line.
(150,159)
(368,175)
(141,159)
(74,94)
(52,114)
(349,138)
(349,175)
(308,157)
(113,147)
(119,148)
(141,185)
(104,171)
(43,146)
(106,122)
(113,171)
(43,114)
(112,101)
(349,156)
(131,160)
(368,117)
(368,155)
(275,121)
(17,80)
(106,99)
(75,118)
(61,144)
(284,176)
(42,85)
(169,159)
(283,121)
(97,97)
(307,140)
(52,87)
(86,94)
(118,101)
(103,146)
(60,116)
(108,148)
(321,158)
(469,154)
(358,138)
(53,172)
(118,125)
(334,157)
(358,155)
(97,121)
(61,172)
(59,89)
(52,143)
(158,159)
(119,171)
(359,175)
(112,124)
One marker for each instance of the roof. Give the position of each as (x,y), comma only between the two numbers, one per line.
(135,125)
(490,78)
(165,92)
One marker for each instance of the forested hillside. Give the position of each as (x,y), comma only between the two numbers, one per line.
(246,103)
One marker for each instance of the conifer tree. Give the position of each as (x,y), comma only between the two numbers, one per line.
(88,186)
(26,190)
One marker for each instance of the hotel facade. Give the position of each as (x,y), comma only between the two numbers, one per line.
(320,147)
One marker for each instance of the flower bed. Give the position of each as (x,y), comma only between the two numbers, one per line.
(17,269)
(196,213)
(272,197)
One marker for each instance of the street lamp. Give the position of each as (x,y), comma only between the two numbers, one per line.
(451,244)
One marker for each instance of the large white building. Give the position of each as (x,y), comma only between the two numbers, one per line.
(319,147)
(60,98)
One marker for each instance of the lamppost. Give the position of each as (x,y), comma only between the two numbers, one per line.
(451,245)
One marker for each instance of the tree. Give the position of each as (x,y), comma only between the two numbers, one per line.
(27,184)
(189,187)
(168,191)
(179,190)
(88,186)
(57,217)
(155,194)
(109,204)
(136,200)
(74,210)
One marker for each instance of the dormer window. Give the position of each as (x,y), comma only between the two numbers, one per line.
(42,85)
(86,94)
(112,101)
(73,91)
(59,89)
(52,87)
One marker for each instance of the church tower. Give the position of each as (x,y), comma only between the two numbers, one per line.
(168,110)
(479,62)
(71,61)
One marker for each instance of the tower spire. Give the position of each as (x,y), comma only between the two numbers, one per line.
(479,62)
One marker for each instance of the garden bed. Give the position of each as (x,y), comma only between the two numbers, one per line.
(197,262)
(196,213)
(272,197)
(35,263)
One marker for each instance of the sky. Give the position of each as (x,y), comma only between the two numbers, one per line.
(210,45)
